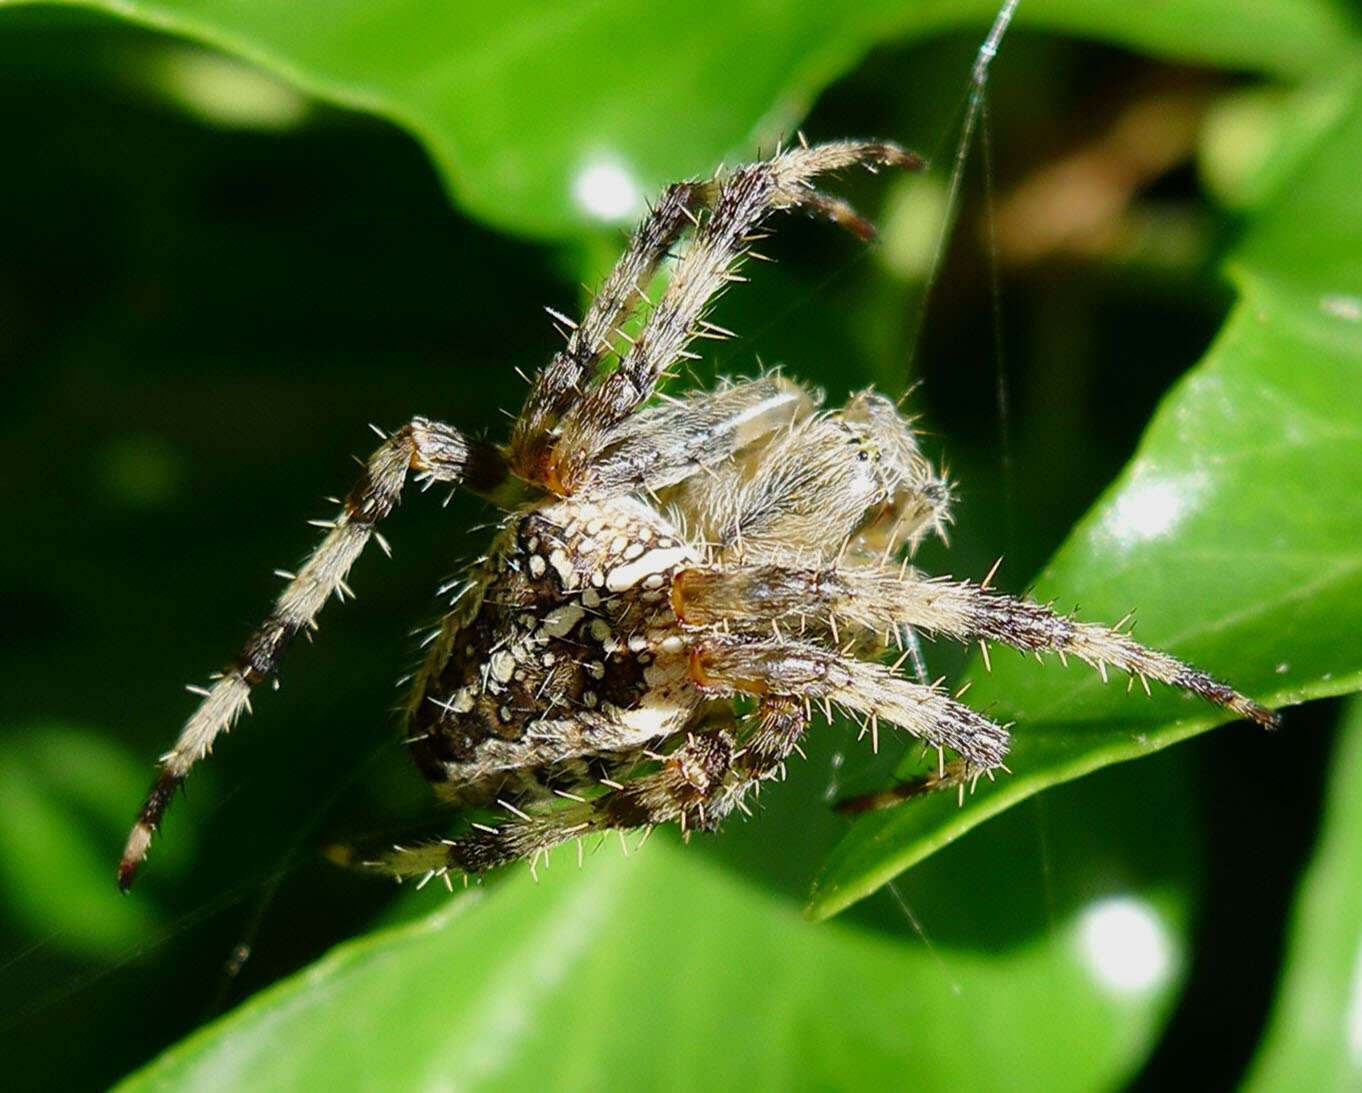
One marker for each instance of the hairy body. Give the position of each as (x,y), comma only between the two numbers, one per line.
(661,558)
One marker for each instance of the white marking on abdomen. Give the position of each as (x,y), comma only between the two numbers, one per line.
(655,561)
(560,621)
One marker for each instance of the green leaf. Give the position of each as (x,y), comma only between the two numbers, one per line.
(1208,32)
(1235,531)
(668,971)
(525,107)
(66,793)
(1314,1038)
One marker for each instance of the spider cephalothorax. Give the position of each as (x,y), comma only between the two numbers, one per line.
(660,559)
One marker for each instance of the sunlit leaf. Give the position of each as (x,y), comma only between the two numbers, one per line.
(544,116)
(667,971)
(1314,1040)
(65,793)
(1235,530)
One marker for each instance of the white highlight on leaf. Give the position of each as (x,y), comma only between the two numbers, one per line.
(1152,507)
(1352,1028)
(224,92)
(605,189)
(1124,945)
(1342,306)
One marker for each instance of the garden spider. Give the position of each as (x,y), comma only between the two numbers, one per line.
(659,559)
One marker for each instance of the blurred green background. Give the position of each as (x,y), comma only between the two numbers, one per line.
(226,249)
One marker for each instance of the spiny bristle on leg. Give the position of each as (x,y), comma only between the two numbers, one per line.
(874,599)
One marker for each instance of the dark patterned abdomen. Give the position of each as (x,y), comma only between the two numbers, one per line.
(565,648)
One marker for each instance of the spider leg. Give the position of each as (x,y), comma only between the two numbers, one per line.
(780,725)
(565,377)
(696,785)
(740,202)
(676,440)
(945,776)
(434,451)
(685,782)
(795,669)
(878,600)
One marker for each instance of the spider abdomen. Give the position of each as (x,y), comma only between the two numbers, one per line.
(564,645)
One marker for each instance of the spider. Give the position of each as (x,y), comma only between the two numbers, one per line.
(660,558)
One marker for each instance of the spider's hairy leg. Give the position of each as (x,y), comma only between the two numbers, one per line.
(740,202)
(945,776)
(679,439)
(561,382)
(780,723)
(697,785)
(794,669)
(879,599)
(429,448)
(685,782)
